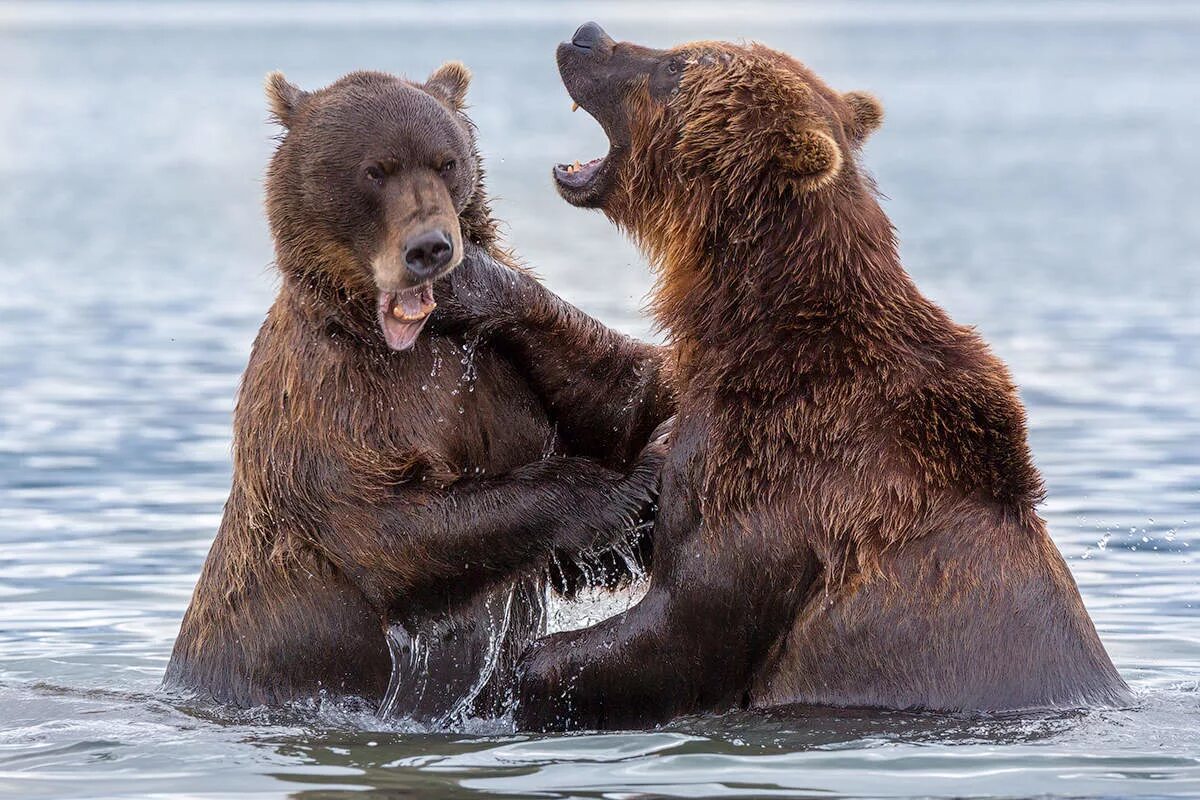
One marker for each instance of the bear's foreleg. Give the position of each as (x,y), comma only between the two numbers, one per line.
(437,549)
(693,644)
(605,391)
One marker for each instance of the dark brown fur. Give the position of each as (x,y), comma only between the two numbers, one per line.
(373,487)
(848,514)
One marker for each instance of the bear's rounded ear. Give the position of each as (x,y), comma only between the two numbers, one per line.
(450,82)
(283,98)
(816,158)
(866,115)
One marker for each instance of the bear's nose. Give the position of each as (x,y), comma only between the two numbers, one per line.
(588,36)
(426,253)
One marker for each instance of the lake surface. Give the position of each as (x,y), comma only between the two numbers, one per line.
(1040,162)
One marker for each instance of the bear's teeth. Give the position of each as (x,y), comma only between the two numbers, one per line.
(574,107)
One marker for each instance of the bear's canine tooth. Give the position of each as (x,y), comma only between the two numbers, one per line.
(574,107)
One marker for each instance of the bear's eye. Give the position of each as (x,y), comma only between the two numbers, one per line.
(374,174)
(447,166)
(672,67)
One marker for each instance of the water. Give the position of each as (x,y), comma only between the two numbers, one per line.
(1040,162)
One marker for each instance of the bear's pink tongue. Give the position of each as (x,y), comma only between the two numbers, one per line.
(403,314)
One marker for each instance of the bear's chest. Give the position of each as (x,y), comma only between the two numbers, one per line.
(469,409)
(679,514)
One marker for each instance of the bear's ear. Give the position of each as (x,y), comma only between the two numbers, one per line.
(450,82)
(866,115)
(815,158)
(284,98)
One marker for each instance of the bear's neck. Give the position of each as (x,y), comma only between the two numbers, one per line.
(817,290)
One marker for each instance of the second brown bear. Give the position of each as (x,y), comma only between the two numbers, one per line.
(848,514)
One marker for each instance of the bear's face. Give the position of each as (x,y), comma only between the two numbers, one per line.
(704,126)
(373,173)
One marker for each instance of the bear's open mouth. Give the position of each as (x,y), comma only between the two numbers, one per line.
(577,175)
(585,183)
(402,314)
(604,79)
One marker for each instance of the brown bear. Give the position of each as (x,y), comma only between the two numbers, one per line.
(848,513)
(385,476)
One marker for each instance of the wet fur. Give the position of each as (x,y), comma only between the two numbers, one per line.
(848,515)
(375,488)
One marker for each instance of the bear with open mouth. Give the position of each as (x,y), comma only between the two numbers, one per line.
(848,512)
(393,485)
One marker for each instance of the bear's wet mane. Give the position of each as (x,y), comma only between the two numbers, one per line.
(786,300)
(750,257)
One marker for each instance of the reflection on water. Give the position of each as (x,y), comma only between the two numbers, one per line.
(1039,162)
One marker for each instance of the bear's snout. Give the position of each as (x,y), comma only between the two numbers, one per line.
(588,36)
(427,254)
(420,236)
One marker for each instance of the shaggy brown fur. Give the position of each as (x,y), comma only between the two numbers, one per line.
(426,487)
(848,511)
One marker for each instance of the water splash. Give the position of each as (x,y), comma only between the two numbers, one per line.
(410,664)
(469,348)
(498,628)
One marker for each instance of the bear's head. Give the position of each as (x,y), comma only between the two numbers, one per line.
(710,143)
(374,185)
